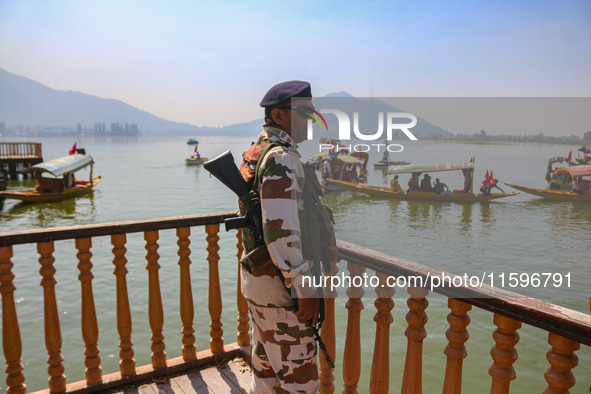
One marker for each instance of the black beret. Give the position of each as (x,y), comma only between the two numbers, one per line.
(284,91)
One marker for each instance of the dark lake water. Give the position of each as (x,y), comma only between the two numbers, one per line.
(147,178)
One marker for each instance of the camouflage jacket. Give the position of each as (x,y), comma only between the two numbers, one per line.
(280,189)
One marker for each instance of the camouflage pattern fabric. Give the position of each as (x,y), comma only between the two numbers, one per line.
(283,353)
(280,189)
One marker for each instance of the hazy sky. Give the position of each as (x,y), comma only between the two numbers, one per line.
(210,63)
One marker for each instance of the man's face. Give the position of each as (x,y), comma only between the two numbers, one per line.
(292,119)
(299,121)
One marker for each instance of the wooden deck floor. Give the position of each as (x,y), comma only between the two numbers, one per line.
(231,377)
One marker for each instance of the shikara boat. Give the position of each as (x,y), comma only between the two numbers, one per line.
(584,155)
(347,168)
(195,160)
(580,191)
(56,181)
(463,196)
(456,196)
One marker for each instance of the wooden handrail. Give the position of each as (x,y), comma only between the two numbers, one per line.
(550,317)
(102,229)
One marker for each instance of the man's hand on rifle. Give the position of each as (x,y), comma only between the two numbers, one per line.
(308,309)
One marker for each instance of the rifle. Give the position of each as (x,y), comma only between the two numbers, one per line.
(225,170)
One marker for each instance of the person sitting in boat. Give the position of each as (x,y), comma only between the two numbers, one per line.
(413,183)
(582,187)
(485,189)
(441,188)
(426,184)
(394,185)
(70,180)
(326,169)
(197,155)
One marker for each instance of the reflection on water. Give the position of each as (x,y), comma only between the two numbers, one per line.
(147,178)
(81,210)
(466,219)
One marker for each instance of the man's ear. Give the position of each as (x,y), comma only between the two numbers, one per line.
(277,116)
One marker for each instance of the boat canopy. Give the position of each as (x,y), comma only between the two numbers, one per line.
(62,165)
(348,159)
(414,168)
(344,158)
(575,171)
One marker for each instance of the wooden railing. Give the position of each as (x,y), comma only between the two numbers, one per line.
(20,150)
(566,329)
(83,235)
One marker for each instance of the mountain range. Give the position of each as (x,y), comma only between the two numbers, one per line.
(29,103)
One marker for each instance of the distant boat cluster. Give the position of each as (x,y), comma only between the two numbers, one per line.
(342,170)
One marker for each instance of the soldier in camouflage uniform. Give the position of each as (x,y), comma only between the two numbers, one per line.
(283,347)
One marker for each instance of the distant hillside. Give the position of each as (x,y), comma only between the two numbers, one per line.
(26,102)
(29,103)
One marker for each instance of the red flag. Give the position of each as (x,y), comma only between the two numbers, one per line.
(492,178)
(570,156)
(73,150)
(471,159)
(486,179)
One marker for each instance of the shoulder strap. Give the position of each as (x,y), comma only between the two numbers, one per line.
(257,171)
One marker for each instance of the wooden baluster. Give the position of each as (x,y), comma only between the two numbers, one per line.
(455,351)
(90,331)
(412,381)
(187,310)
(156,314)
(126,360)
(352,353)
(328,335)
(503,353)
(380,367)
(216,343)
(562,359)
(243,338)
(11,336)
(53,334)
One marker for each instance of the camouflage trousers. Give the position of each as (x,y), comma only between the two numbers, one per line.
(283,353)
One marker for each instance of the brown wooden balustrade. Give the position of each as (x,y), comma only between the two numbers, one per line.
(567,329)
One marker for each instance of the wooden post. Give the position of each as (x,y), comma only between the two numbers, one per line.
(380,367)
(124,325)
(503,353)
(455,351)
(328,335)
(11,336)
(156,313)
(90,331)
(186,295)
(412,381)
(216,342)
(53,335)
(352,353)
(562,359)
(242,338)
